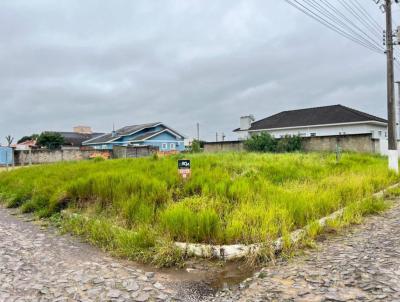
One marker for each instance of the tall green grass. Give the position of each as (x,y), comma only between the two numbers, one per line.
(230,198)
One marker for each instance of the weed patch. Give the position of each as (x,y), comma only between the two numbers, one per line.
(137,207)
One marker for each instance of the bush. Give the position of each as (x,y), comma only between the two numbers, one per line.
(197,146)
(289,144)
(264,142)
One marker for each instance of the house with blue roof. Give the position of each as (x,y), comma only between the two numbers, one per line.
(152,134)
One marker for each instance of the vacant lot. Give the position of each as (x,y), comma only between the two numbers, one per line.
(138,207)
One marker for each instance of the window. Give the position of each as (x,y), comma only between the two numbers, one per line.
(313,134)
(380,133)
(385,134)
(172,146)
(164,146)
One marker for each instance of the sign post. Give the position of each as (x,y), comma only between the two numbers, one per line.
(184,168)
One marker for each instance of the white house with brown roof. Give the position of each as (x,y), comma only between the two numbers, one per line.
(318,121)
(335,120)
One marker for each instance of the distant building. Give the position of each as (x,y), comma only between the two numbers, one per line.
(78,136)
(83,129)
(152,134)
(318,121)
(72,139)
(324,128)
(26,145)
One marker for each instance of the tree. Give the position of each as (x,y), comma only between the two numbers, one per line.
(27,138)
(9,140)
(50,140)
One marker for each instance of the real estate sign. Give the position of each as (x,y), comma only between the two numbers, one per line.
(184,168)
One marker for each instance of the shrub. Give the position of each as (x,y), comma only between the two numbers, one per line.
(197,146)
(289,144)
(263,142)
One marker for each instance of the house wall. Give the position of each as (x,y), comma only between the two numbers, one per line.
(166,142)
(6,156)
(377,131)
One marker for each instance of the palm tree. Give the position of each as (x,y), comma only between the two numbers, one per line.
(9,140)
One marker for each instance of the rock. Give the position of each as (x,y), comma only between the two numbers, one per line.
(114,294)
(158,285)
(131,286)
(142,297)
(162,297)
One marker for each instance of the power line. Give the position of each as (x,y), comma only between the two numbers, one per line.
(345,24)
(331,26)
(363,16)
(346,17)
(372,21)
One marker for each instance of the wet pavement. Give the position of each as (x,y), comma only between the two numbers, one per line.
(360,264)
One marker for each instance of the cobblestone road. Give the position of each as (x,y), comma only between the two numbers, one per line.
(362,265)
(37,265)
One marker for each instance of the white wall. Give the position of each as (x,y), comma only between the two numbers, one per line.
(378,131)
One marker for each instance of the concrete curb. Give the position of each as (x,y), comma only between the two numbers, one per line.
(236,251)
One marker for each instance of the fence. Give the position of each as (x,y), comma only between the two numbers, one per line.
(226,146)
(133,151)
(6,156)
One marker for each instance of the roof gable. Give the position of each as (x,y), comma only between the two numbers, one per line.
(336,114)
(131,131)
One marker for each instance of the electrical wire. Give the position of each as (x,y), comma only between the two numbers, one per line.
(361,15)
(368,17)
(345,23)
(296,4)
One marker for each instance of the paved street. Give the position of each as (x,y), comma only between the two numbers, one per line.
(362,264)
(37,265)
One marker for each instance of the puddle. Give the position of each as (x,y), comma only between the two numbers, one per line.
(205,275)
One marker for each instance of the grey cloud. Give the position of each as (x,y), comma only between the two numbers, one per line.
(179,61)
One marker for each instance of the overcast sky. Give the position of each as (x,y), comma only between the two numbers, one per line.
(70,62)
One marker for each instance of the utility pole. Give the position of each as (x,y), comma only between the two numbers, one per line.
(216,136)
(398,107)
(198,132)
(391,106)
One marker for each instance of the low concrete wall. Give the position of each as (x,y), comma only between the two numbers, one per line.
(133,151)
(26,157)
(227,146)
(363,143)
